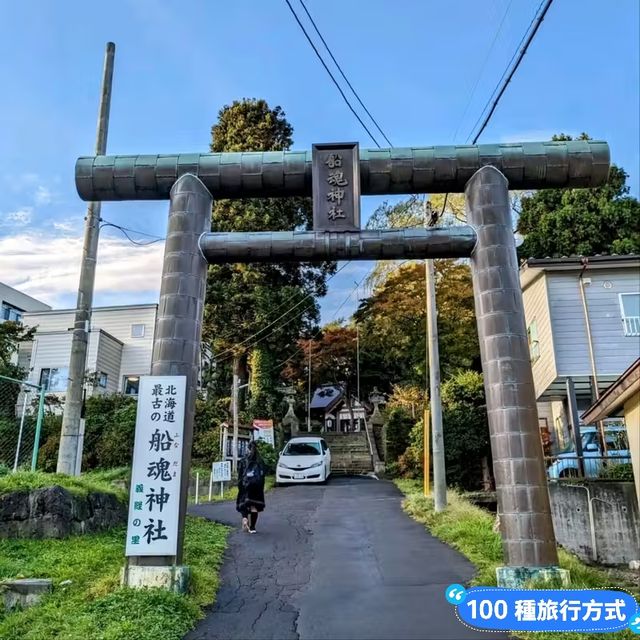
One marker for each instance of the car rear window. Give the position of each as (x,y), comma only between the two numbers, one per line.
(302,449)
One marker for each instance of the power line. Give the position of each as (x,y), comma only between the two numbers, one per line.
(355,93)
(482,67)
(335,315)
(335,82)
(501,87)
(124,230)
(220,358)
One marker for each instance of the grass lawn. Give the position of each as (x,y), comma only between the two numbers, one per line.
(469,529)
(94,606)
(79,485)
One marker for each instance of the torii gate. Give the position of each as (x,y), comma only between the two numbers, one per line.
(484,172)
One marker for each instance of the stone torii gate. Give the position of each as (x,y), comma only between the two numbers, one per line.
(484,173)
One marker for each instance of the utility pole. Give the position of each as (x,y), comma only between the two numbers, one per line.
(70,433)
(309,391)
(357,345)
(437,437)
(234,400)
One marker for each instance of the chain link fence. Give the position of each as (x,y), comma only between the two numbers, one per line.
(21,414)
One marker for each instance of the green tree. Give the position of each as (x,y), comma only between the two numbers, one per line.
(398,426)
(563,222)
(392,325)
(466,430)
(242,299)
(11,335)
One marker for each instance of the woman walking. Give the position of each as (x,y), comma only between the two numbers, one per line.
(250,501)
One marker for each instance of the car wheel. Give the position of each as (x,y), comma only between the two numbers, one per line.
(570,472)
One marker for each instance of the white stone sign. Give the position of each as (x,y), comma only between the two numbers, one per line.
(157,463)
(221,471)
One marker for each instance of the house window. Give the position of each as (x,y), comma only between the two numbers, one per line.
(11,313)
(102,380)
(137,331)
(131,385)
(54,380)
(534,345)
(630,310)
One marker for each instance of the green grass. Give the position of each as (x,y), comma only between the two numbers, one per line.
(469,529)
(94,605)
(80,485)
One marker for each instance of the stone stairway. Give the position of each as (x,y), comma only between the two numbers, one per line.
(350,454)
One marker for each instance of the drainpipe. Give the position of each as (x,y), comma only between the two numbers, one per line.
(592,520)
(592,357)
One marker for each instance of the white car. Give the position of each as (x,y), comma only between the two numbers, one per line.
(305,460)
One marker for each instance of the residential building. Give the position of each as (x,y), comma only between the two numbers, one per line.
(583,324)
(14,303)
(623,394)
(119,350)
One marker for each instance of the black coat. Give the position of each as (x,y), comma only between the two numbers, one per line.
(252,496)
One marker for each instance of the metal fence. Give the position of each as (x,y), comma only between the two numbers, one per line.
(610,467)
(21,414)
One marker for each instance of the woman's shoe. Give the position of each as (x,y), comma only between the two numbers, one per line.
(252,531)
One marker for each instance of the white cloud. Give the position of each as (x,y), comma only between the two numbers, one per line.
(43,195)
(72,224)
(47,267)
(19,218)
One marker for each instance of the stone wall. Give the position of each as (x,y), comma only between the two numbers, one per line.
(612,526)
(54,512)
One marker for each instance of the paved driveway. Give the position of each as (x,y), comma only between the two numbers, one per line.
(339,562)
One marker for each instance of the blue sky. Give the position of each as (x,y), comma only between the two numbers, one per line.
(414,62)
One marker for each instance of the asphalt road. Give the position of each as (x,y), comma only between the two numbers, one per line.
(340,562)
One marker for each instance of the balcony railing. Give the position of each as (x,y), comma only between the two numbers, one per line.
(631,326)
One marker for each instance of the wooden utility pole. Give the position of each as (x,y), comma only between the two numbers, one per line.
(70,435)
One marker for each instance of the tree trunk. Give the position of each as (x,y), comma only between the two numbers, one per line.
(239,368)
(487,480)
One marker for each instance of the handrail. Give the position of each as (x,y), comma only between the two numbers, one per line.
(366,430)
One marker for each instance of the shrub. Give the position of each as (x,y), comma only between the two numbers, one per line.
(398,428)
(269,455)
(622,472)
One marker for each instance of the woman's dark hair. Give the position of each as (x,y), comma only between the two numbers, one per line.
(252,451)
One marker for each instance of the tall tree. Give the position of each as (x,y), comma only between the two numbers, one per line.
(563,222)
(243,299)
(392,325)
(333,358)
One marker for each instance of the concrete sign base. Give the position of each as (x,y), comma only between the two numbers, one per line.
(172,578)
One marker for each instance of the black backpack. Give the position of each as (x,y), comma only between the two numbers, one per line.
(253,475)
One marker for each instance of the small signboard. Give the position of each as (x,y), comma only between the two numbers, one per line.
(221,471)
(154,501)
(336,186)
(264,431)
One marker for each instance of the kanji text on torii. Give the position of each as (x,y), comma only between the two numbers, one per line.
(337,181)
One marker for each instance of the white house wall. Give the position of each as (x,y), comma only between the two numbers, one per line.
(136,353)
(614,351)
(536,307)
(52,345)
(109,358)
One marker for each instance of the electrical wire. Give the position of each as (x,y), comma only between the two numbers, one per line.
(335,82)
(335,315)
(501,87)
(124,230)
(219,357)
(482,67)
(355,93)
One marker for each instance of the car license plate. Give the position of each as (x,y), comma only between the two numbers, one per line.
(298,476)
